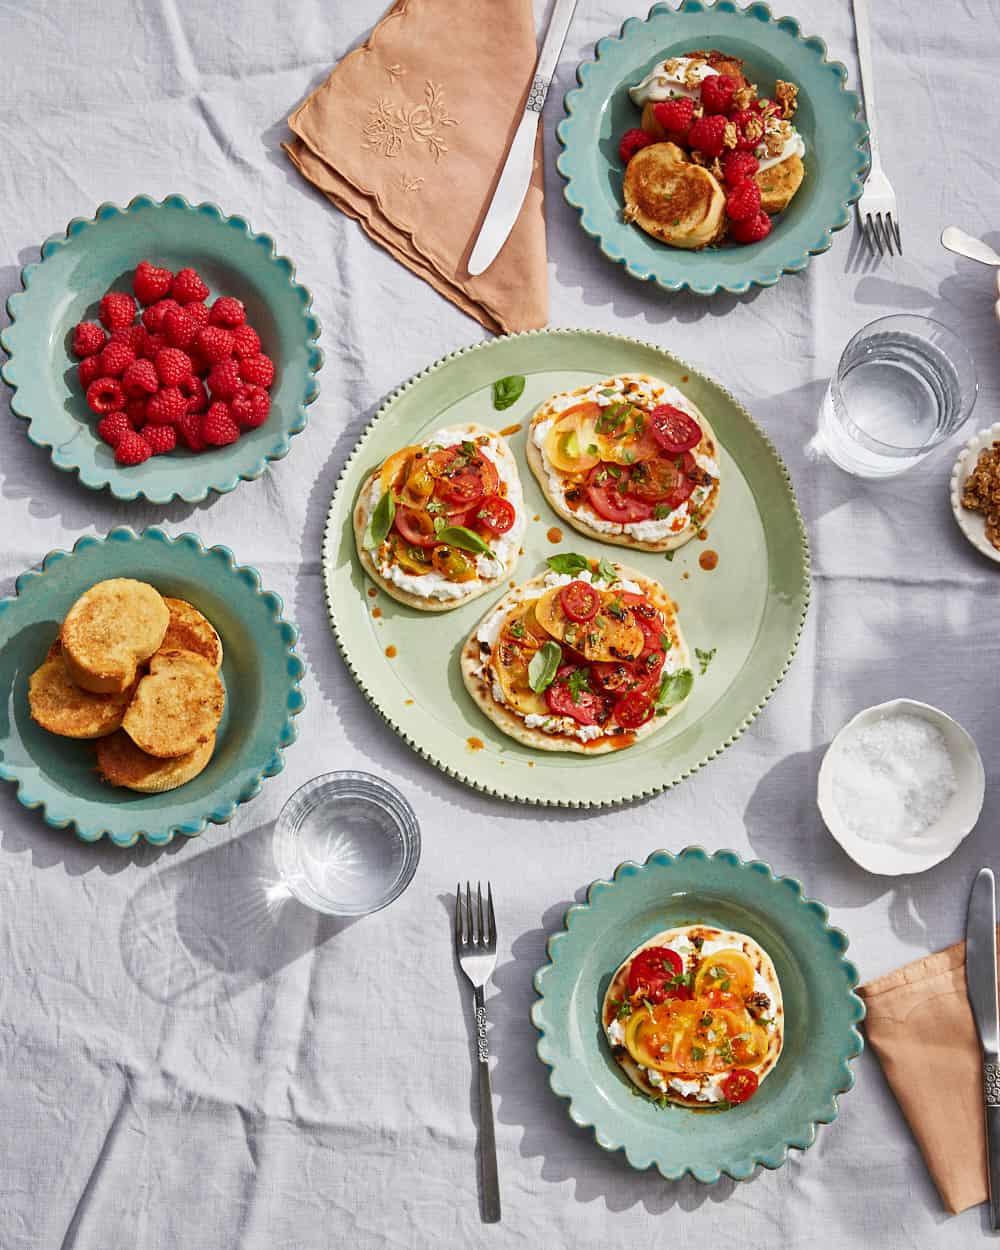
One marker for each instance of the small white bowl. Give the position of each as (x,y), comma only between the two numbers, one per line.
(954,824)
(973,524)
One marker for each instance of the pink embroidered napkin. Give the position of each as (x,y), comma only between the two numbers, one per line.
(920,1026)
(408,135)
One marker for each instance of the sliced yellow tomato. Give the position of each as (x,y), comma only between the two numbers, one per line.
(612,634)
(518,640)
(571,445)
(419,484)
(452,563)
(728,970)
(397,467)
(623,436)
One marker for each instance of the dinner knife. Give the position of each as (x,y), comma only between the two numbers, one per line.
(981,982)
(516,173)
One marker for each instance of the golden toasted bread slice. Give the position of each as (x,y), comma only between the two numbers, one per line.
(111,629)
(121,763)
(60,706)
(189,630)
(779,183)
(176,706)
(672,199)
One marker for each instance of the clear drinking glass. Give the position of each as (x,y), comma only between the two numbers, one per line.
(347,844)
(903,385)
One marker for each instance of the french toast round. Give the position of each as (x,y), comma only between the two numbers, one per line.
(177,706)
(779,183)
(110,630)
(62,707)
(191,630)
(673,199)
(121,763)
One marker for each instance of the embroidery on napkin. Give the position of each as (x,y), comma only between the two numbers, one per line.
(389,130)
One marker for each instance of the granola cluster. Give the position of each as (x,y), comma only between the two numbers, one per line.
(982,491)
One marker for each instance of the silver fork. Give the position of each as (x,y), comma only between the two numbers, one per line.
(476,947)
(877,206)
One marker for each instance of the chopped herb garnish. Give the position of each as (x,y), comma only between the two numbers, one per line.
(705,658)
(605,571)
(648,1005)
(507,391)
(706,1019)
(724,1050)
(578,681)
(568,562)
(593,449)
(607,393)
(666,642)
(433,506)
(670,555)
(622,1009)
(469,450)
(614,471)
(697,1054)
(543,666)
(439,524)
(517,629)
(661,511)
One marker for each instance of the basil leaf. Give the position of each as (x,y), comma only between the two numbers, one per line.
(675,689)
(568,562)
(543,666)
(704,658)
(380,521)
(459,536)
(605,571)
(507,391)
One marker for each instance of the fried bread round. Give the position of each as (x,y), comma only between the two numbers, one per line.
(672,199)
(177,706)
(121,763)
(111,629)
(60,706)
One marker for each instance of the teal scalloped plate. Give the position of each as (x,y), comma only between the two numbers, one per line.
(822,1013)
(260,669)
(66,286)
(599,111)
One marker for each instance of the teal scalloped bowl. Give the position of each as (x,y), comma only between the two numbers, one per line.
(66,286)
(822,1013)
(260,669)
(599,111)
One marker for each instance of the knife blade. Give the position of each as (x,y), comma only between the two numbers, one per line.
(981,985)
(516,174)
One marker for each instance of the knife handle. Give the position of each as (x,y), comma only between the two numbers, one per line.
(991,1097)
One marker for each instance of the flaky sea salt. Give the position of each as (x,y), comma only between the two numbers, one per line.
(893,778)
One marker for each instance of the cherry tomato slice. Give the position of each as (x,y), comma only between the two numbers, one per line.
(496,515)
(463,488)
(607,497)
(587,708)
(654,480)
(462,480)
(621,676)
(634,709)
(580,601)
(416,526)
(739,1085)
(673,429)
(646,617)
(652,969)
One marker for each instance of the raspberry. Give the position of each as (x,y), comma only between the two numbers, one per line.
(250,406)
(89,370)
(200,365)
(675,116)
(151,283)
(172,366)
(218,427)
(749,129)
(189,431)
(246,341)
(257,369)
(214,343)
(152,344)
(105,395)
(88,338)
(737,167)
(198,311)
(188,287)
(132,449)
(179,327)
(166,407)
(135,410)
(193,390)
(114,427)
(752,230)
(743,203)
(160,438)
(117,309)
(717,93)
(153,316)
(706,135)
(633,141)
(131,336)
(140,379)
(115,359)
(227,311)
(224,379)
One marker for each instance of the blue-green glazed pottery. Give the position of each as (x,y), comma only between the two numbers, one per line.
(261,672)
(822,1013)
(599,111)
(66,286)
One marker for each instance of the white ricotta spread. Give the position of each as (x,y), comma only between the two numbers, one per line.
(616,1033)
(794,146)
(668,81)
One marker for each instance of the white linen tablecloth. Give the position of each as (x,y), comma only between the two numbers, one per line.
(180,1070)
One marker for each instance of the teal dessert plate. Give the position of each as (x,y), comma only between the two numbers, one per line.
(599,111)
(822,1013)
(260,670)
(66,286)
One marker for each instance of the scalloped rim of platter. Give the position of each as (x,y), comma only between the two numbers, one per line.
(951,828)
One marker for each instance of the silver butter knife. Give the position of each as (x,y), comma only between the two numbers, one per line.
(516,174)
(981,982)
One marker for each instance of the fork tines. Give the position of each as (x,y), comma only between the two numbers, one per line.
(881,228)
(473,926)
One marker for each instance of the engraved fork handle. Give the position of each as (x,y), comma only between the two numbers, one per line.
(991,1097)
(862,32)
(487,1135)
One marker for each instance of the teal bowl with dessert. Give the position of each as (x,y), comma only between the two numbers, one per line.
(825,124)
(101,253)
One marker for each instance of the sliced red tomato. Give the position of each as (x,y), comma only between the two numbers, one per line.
(652,970)
(654,480)
(646,617)
(634,709)
(579,601)
(621,676)
(673,429)
(648,668)
(587,708)
(496,515)
(416,526)
(739,1085)
(607,497)
(462,480)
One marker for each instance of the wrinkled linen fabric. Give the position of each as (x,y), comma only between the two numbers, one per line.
(181,1068)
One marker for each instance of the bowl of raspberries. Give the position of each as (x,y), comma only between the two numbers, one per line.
(162,351)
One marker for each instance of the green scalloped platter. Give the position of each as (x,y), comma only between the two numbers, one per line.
(261,672)
(749,610)
(822,1013)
